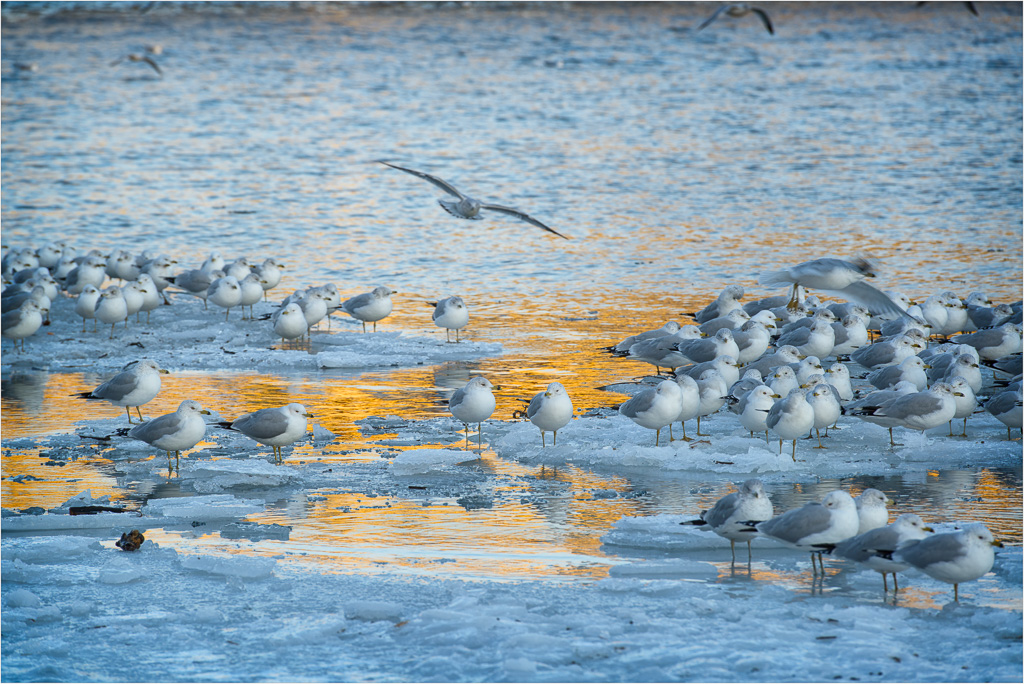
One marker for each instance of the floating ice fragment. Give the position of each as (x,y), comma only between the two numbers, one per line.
(421,461)
(666,568)
(211,507)
(237,566)
(373,611)
(23,598)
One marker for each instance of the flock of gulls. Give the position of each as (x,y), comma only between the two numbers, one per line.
(764,360)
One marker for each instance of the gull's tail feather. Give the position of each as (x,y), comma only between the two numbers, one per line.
(775,278)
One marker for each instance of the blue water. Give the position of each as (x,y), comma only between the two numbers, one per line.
(676,161)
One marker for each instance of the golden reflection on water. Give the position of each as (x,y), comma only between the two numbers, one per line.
(347,532)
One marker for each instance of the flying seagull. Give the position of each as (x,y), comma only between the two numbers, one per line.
(138,58)
(739,10)
(467,207)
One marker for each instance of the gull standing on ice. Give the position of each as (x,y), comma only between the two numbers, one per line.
(450,313)
(655,408)
(275,427)
(473,403)
(953,557)
(815,526)
(740,10)
(727,301)
(845,278)
(226,293)
(467,207)
(370,307)
(1008,409)
(85,305)
(791,417)
(289,323)
(177,432)
(111,308)
(863,547)
(732,516)
(871,510)
(22,322)
(138,383)
(550,410)
(753,409)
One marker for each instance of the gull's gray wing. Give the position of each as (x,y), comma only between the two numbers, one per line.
(776,411)
(357,302)
(863,546)
(447,187)
(723,509)
(764,19)
(938,548)
(798,523)
(1002,403)
(153,430)
(918,404)
(457,398)
(520,215)
(990,337)
(118,387)
(153,64)
(534,406)
(263,424)
(638,403)
(712,17)
(796,337)
(10,319)
(874,299)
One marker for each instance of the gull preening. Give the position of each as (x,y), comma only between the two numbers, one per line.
(467,207)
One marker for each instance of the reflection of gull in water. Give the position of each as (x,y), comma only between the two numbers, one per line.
(139,58)
(739,10)
(467,207)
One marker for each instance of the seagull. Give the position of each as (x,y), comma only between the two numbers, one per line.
(138,383)
(450,313)
(370,307)
(276,427)
(176,431)
(655,408)
(733,514)
(739,10)
(139,58)
(815,526)
(467,207)
(953,557)
(835,275)
(550,410)
(908,527)
(473,403)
